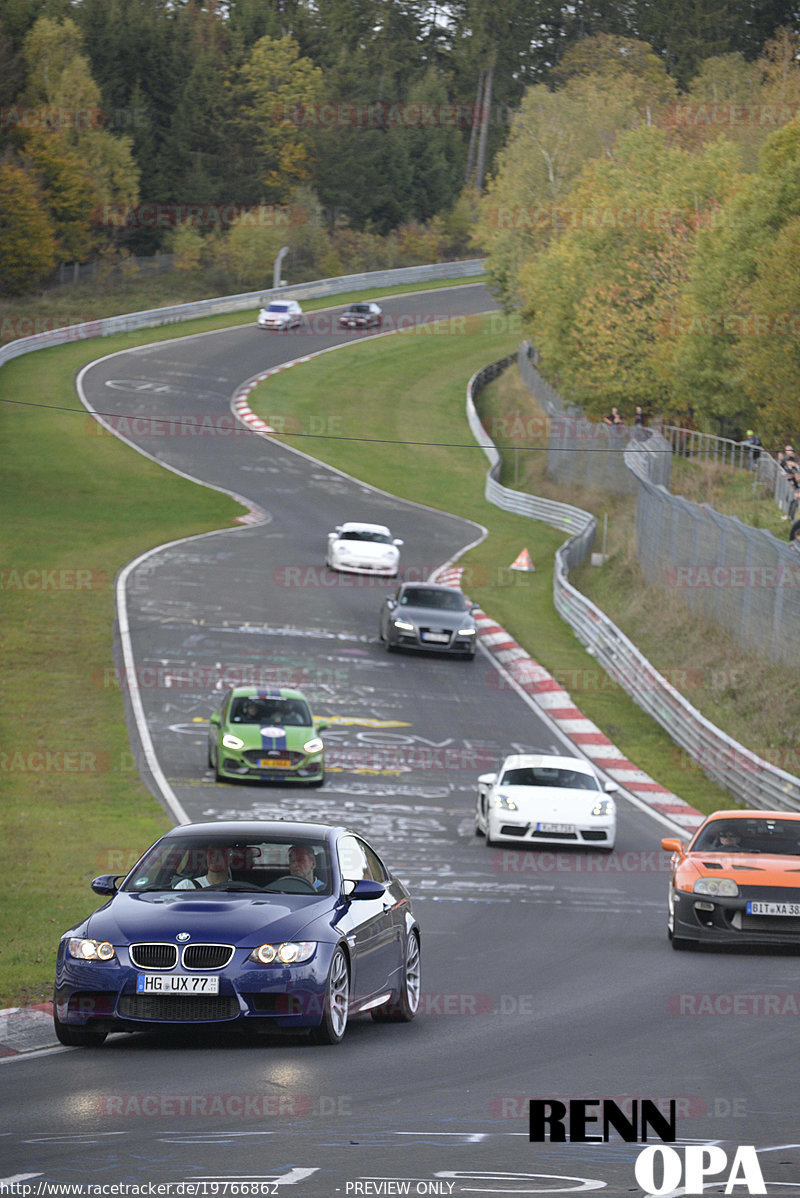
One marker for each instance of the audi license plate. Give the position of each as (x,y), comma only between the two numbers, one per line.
(562,828)
(274,763)
(754,908)
(441,638)
(176,983)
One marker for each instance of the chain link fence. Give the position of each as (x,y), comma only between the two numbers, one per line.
(749,778)
(583,453)
(739,455)
(743,579)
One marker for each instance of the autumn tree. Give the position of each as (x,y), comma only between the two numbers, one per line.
(769,349)
(26,231)
(285,90)
(553,136)
(622,263)
(723,326)
(81,165)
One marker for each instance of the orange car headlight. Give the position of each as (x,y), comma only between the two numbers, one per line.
(716,887)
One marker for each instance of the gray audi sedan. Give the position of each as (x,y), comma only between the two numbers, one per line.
(429,616)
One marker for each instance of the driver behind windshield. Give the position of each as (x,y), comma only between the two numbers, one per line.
(302,863)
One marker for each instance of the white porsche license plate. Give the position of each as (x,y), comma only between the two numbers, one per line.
(754,908)
(441,638)
(562,828)
(176,983)
(274,763)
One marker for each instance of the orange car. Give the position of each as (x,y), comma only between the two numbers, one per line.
(737,881)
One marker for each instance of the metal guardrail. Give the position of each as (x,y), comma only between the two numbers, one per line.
(738,455)
(748,777)
(155,317)
(560,515)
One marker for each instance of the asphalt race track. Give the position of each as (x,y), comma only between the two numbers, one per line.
(544,975)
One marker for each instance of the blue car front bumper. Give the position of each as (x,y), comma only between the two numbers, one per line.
(107,994)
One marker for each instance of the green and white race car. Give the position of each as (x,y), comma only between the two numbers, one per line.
(268,735)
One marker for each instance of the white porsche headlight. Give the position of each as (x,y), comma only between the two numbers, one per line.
(504,802)
(716,887)
(603,807)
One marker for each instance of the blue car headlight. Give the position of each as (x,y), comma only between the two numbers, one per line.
(230,741)
(83,949)
(716,887)
(290,953)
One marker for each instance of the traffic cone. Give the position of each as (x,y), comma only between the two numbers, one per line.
(522,561)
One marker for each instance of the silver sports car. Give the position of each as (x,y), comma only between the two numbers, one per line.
(429,616)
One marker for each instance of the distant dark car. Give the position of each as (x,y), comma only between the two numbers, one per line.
(362,316)
(429,616)
(258,925)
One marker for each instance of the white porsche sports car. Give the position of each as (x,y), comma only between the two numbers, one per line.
(537,799)
(360,548)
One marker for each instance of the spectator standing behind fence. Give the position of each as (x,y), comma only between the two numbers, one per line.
(639,424)
(614,420)
(753,443)
(794,502)
(788,462)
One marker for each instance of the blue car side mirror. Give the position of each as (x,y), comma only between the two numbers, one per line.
(365,889)
(106,883)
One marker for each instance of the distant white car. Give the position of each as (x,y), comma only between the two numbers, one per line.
(358,548)
(280,315)
(538,799)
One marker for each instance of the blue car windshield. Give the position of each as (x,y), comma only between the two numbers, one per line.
(196,863)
